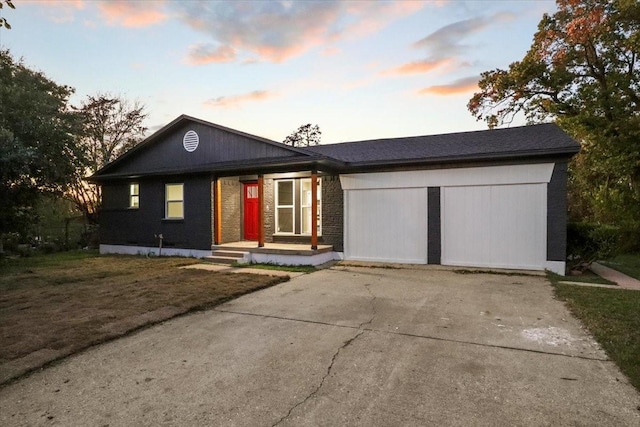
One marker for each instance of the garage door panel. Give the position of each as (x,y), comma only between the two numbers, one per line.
(387,225)
(495,226)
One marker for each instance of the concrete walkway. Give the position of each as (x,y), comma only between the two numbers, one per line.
(345,347)
(621,279)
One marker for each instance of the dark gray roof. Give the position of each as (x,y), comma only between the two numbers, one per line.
(523,141)
(487,145)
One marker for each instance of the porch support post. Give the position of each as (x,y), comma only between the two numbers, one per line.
(314,210)
(260,211)
(217,216)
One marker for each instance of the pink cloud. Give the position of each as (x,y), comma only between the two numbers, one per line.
(417,67)
(374,16)
(132,14)
(237,100)
(447,40)
(276,31)
(207,54)
(78,4)
(457,87)
(445,46)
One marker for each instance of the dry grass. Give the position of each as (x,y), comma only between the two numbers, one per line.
(51,308)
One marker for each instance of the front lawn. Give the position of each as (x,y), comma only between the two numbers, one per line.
(55,305)
(628,264)
(613,318)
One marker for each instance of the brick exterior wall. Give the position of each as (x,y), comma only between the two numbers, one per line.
(120,225)
(231,210)
(332,212)
(269,210)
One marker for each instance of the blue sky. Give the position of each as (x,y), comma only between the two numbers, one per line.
(360,70)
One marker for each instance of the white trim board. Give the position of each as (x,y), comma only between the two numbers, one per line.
(489,175)
(153,251)
(278,259)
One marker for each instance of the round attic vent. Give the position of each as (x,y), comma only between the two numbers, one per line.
(190,141)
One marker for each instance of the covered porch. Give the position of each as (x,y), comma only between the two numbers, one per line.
(252,215)
(271,253)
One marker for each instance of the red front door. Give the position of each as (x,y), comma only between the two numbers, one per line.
(251,211)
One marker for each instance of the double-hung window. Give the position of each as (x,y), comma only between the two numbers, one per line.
(134,195)
(285,212)
(293,206)
(174,201)
(305,207)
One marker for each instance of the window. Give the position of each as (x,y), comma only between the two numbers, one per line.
(305,206)
(134,195)
(174,201)
(285,217)
(293,206)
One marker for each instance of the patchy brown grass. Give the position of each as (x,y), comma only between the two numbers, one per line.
(51,308)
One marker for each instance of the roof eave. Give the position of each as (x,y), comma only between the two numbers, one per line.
(236,168)
(567,152)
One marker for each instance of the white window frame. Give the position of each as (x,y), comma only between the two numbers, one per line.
(292,206)
(167,200)
(302,205)
(134,195)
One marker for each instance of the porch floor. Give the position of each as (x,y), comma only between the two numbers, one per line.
(273,248)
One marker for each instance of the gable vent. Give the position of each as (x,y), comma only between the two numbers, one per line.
(190,141)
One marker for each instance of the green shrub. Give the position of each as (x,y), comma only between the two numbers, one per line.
(630,232)
(588,242)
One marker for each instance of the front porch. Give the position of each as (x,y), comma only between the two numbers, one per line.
(279,217)
(271,253)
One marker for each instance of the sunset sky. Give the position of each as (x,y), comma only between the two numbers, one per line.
(359,70)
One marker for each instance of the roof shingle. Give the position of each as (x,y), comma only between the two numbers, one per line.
(508,142)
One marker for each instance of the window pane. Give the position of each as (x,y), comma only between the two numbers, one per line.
(285,220)
(133,190)
(285,193)
(306,220)
(175,210)
(174,191)
(135,201)
(252,192)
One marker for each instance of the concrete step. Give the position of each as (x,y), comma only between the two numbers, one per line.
(221,259)
(228,253)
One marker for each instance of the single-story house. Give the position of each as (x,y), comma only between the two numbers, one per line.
(493,198)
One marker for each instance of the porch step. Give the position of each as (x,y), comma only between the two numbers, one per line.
(229,253)
(221,259)
(221,256)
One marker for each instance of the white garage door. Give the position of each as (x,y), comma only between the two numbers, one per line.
(386,225)
(500,226)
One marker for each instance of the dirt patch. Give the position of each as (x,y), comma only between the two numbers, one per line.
(51,311)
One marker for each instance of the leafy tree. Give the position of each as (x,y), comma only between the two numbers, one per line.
(111,126)
(3,21)
(17,196)
(37,144)
(582,71)
(304,136)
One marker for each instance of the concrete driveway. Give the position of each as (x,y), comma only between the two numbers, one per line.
(347,346)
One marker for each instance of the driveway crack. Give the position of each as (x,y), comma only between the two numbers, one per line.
(374,308)
(322,381)
(361,330)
